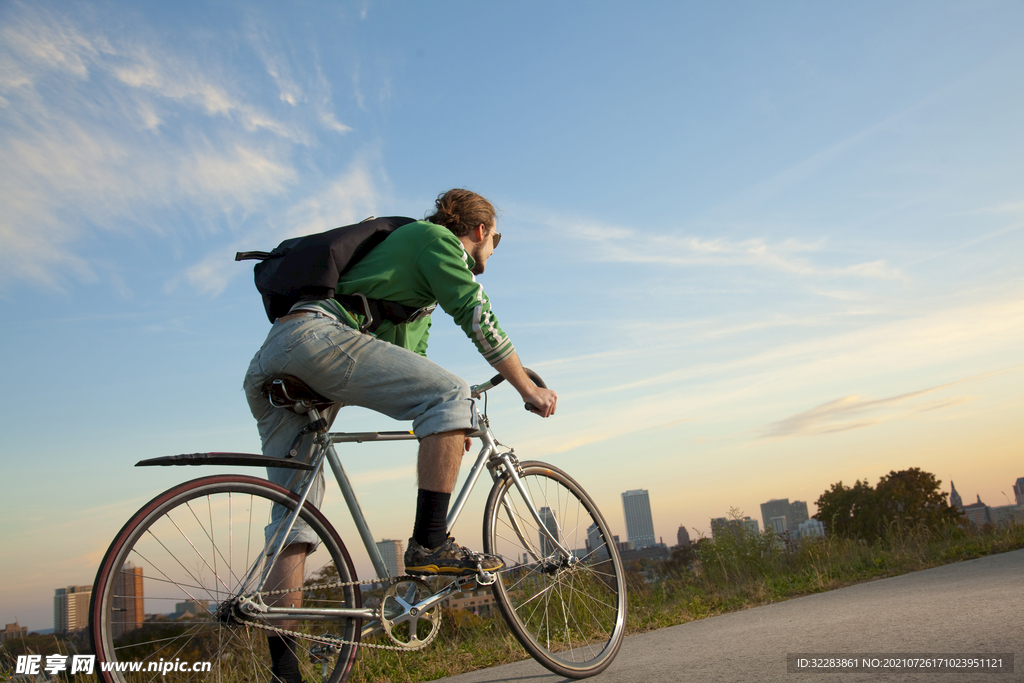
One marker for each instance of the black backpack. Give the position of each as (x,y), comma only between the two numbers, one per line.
(308,268)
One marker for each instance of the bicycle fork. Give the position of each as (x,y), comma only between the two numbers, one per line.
(511,466)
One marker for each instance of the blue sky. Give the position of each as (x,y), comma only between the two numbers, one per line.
(756,248)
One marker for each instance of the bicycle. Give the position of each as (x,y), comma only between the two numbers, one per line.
(202,546)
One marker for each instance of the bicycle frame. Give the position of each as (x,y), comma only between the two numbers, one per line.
(241,542)
(489,457)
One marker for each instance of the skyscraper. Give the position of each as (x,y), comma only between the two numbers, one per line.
(392,553)
(954,497)
(71,608)
(780,515)
(551,524)
(719,526)
(1018,491)
(129,610)
(636,506)
(682,536)
(596,545)
(798,513)
(776,515)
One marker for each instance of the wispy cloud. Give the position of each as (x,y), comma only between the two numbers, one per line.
(276,65)
(323,102)
(914,341)
(675,335)
(168,76)
(316,90)
(620,244)
(242,173)
(45,40)
(348,198)
(854,412)
(604,423)
(106,130)
(1013,209)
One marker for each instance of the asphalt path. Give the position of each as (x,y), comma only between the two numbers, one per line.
(974,607)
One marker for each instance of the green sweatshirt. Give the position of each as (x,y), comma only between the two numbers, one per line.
(418,265)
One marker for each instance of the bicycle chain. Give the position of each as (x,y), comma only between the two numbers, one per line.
(331,640)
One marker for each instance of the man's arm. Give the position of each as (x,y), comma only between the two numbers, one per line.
(445,269)
(543,400)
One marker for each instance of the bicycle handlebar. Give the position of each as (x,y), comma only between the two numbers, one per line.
(498,379)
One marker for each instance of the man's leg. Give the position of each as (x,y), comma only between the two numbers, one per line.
(431,550)
(287,572)
(439,461)
(356,369)
(438,468)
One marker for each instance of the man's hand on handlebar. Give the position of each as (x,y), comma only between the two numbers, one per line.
(538,398)
(540,401)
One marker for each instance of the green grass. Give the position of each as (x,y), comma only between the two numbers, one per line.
(466,642)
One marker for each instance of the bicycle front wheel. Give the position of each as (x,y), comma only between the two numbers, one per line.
(165,598)
(569,612)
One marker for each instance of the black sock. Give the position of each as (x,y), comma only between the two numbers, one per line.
(431,527)
(284,665)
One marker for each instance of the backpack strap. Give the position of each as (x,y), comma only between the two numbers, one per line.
(376,311)
(251,255)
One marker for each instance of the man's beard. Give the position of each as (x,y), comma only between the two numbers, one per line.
(478,262)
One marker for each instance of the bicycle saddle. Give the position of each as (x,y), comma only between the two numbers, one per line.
(286,391)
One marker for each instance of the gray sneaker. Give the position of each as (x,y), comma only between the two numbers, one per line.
(448,558)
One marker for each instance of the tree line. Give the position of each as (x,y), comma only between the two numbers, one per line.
(910,498)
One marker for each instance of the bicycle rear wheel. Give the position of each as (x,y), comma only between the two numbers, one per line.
(163,590)
(569,613)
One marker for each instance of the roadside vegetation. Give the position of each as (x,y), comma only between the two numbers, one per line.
(902,524)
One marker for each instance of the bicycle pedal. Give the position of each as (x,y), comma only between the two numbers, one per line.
(485,578)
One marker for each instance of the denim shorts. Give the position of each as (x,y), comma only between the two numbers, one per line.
(351,368)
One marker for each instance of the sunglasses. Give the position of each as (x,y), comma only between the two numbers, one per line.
(496,236)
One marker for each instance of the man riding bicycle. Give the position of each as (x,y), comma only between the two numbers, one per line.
(420,264)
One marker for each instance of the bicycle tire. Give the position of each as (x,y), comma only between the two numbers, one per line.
(570,617)
(195,544)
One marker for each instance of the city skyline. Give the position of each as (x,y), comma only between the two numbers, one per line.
(783,254)
(973,512)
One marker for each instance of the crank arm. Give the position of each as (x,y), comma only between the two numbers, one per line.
(372,628)
(456,586)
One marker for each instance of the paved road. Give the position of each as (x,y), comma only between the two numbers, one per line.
(969,607)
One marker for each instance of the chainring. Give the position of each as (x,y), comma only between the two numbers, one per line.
(407,626)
